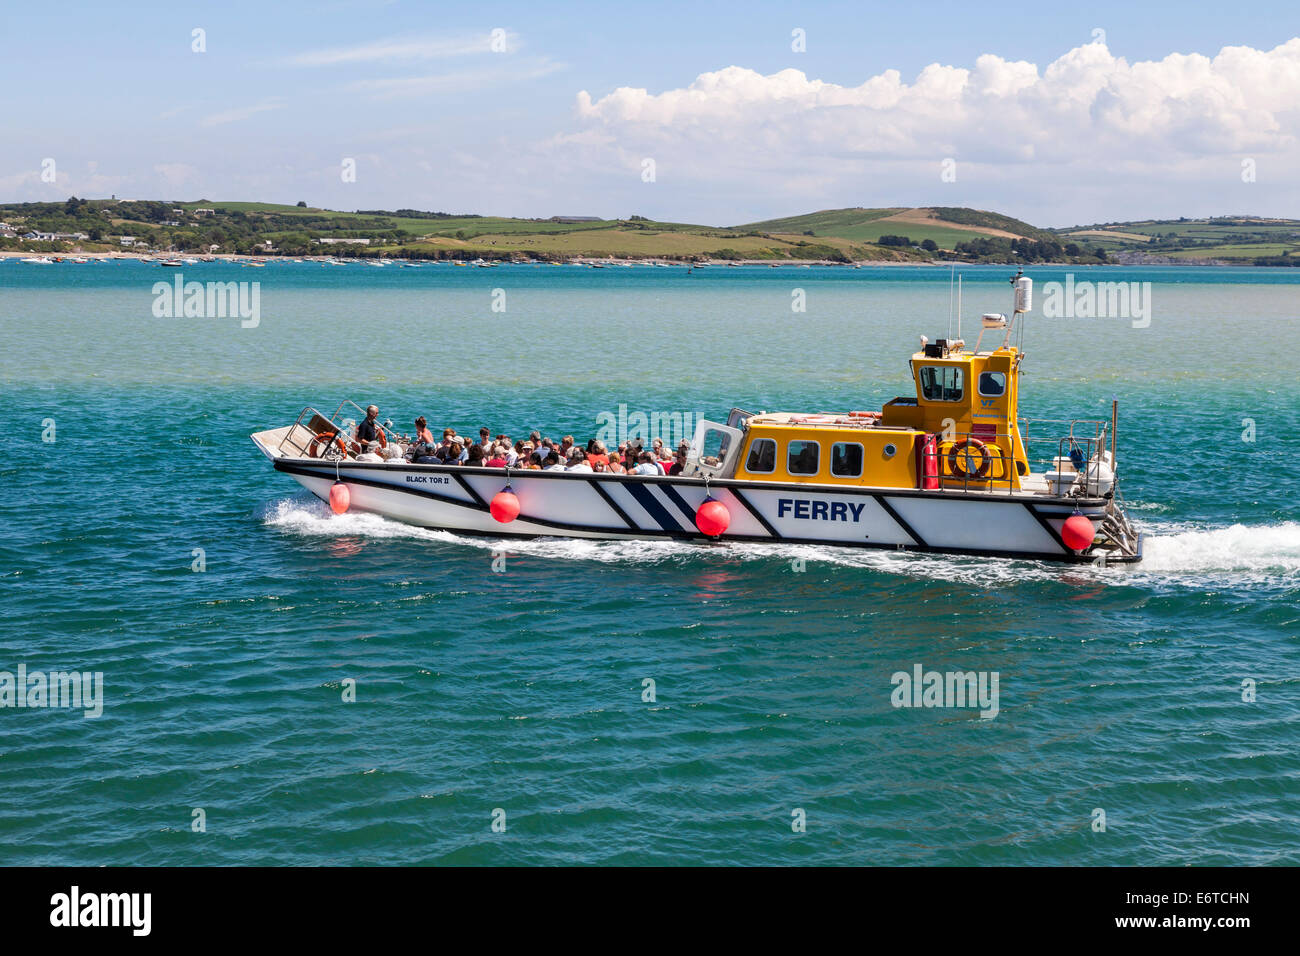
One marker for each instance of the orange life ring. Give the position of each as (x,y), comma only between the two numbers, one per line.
(316,447)
(962,448)
(864,414)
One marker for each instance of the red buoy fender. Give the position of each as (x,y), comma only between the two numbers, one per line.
(340,498)
(712,517)
(504,505)
(1077,532)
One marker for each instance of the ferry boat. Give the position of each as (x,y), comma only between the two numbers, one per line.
(946,469)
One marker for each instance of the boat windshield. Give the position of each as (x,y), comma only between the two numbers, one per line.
(941,383)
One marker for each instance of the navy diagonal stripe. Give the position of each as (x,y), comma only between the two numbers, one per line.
(676,498)
(647,500)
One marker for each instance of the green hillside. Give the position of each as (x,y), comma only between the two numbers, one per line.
(1240,240)
(946,225)
(896,234)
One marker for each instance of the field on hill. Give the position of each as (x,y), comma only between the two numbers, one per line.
(1238,240)
(945,226)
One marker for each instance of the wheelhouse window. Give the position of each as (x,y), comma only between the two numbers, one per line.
(993,384)
(802,457)
(846,460)
(715,446)
(941,383)
(762,457)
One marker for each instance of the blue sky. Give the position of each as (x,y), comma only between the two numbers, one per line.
(435,119)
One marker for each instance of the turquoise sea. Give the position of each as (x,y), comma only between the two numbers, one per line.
(477,692)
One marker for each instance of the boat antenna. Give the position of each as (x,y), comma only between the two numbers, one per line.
(959,307)
(952,280)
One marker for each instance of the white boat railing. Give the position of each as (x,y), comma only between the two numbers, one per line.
(313,434)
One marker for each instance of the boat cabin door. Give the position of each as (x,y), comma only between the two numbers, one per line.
(713,450)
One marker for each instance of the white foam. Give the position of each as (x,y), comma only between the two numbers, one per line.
(1179,554)
(1240,547)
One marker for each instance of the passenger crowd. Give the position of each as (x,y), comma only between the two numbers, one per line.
(536,453)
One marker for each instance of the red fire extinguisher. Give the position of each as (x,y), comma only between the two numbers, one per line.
(930,462)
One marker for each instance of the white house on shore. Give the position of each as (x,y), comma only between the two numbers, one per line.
(57,236)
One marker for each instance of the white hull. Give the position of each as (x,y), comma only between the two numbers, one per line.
(589,505)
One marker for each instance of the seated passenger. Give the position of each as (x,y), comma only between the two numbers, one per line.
(679,462)
(422,444)
(598,453)
(615,465)
(450,441)
(646,465)
(452,454)
(474,455)
(578,461)
(422,432)
(552,462)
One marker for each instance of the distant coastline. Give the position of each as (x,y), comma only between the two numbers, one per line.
(855,236)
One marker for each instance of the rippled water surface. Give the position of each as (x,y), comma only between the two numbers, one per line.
(1121,689)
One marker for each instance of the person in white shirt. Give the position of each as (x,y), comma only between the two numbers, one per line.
(578,461)
(647,465)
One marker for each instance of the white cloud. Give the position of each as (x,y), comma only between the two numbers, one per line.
(464,81)
(239,113)
(1242,99)
(406,49)
(1090,136)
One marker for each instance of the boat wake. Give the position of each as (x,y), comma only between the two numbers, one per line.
(1177,554)
(1274,548)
